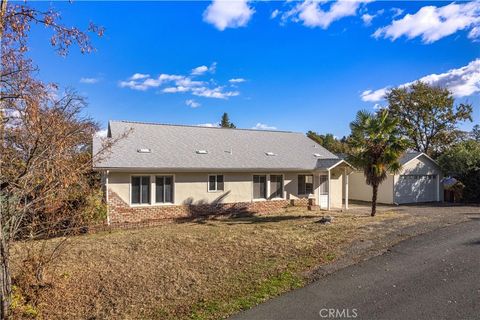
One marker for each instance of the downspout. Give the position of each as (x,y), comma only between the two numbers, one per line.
(329,198)
(438,187)
(346,187)
(106,197)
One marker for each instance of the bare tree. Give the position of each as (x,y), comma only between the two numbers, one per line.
(46,179)
(45,140)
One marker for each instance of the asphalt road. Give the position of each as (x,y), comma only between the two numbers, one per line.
(431,276)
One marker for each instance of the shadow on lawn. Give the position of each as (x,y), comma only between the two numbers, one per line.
(473,243)
(242,217)
(252,218)
(203,212)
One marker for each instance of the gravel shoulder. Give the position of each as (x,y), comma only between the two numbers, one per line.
(428,217)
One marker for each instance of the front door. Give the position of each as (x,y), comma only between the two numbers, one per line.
(323,191)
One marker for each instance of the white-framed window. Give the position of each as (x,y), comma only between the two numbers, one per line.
(140,190)
(259,186)
(276,186)
(215,182)
(164,188)
(305,184)
(323,184)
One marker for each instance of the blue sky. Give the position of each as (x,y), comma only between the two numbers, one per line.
(291,66)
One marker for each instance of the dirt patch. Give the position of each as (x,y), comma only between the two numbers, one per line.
(210,268)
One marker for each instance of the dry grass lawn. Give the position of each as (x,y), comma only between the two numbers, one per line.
(205,269)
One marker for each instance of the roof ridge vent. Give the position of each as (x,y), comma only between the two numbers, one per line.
(201,152)
(144,150)
(318,155)
(270,154)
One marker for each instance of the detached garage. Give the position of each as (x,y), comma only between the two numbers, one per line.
(418,181)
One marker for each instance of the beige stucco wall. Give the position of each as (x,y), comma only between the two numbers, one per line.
(359,190)
(192,187)
(120,184)
(291,185)
(423,166)
(336,187)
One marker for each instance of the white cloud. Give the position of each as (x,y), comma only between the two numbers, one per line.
(474,33)
(432,23)
(101,133)
(89,80)
(396,12)
(367,19)
(274,14)
(192,103)
(213,67)
(462,82)
(199,70)
(209,125)
(374,95)
(237,80)
(143,82)
(173,83)
(263,126)
(216,92)
(138,76)
(132,84)
(228,14)
(311,13)
(176,89)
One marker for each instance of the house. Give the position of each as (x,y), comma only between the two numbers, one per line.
(419,180)
(162,171)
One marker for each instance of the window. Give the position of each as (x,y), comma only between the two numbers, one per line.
(140,190)
(259,186)
(215,182)
(323,184)
(276,186)
(305,184)
(164,189)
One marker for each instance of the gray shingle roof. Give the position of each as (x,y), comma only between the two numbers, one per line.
(173,147)
(408,156)
(324,164)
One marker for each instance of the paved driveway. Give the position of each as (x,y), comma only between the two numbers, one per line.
(431,276)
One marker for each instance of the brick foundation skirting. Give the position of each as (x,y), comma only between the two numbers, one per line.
(120,212)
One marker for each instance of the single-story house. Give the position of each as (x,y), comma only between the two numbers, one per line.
(419,180)
(155,171)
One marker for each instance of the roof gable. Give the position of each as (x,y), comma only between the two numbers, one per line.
(410,156)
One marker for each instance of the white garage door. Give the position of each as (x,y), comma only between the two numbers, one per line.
(416,188)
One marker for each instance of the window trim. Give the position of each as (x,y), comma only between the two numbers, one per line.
(152,202)
(130,190)
(155,190)
(216,182)
(327,185)
(283,186)
(313,184)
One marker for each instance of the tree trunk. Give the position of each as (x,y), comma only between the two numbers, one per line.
(374,199)
(5,280)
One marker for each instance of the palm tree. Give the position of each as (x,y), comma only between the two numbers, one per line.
(376,147)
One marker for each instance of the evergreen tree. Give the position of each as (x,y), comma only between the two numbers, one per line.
(225,122)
